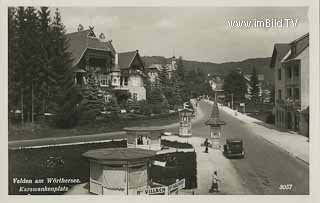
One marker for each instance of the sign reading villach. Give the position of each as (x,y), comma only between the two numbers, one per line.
(164,190)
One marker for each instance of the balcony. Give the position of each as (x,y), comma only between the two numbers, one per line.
(289,103)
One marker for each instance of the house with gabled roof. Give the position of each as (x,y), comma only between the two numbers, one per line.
(290,62)
(97,56)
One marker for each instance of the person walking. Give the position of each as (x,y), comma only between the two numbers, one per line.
(215,181)
(206,144)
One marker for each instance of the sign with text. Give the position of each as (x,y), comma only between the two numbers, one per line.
(177,186)
(153,191)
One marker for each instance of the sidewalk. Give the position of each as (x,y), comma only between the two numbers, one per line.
(231,182)
(293,143)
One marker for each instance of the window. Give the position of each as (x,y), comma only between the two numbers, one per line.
(279,74)
(296,70)
(103,80)
(289,92)
(279,94)
(296,93)
(135,96)
(125,80)
(289,72)
(135,82)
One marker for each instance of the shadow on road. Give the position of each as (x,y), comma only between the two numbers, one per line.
(270,126)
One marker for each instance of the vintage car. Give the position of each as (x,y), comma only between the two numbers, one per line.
(233,148)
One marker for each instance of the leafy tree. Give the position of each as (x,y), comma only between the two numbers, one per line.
(235,84)
(122,97)
(180,69)
(254,86)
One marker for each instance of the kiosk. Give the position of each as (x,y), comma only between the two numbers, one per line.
(119,171)
(144,137)
(185,116)
(215,125)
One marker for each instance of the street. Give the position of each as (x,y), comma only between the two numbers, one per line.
(266,168)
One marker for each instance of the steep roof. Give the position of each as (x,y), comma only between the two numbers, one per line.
(126,58)
(80,41)
(158,67)
(300,44)
(214,119)
(279,51)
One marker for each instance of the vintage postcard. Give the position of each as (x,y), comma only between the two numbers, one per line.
(161,100)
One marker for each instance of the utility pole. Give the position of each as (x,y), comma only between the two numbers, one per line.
(22,116)
(32,103)
(232,101)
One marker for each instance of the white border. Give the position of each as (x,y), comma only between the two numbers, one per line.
(314,101)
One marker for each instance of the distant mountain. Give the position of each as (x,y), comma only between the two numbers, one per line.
(261,65)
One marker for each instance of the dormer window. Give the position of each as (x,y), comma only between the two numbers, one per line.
(294,49)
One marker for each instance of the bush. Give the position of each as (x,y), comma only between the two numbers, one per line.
(176,144)
(270,119)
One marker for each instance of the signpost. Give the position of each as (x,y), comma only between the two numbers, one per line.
(175,187)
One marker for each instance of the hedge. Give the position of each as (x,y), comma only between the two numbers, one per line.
(64,162)
(179,165)
(176,144)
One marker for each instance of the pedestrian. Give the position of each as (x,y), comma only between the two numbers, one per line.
(206,144)
(215,180)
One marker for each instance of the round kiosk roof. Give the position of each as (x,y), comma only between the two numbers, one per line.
(119,154)
(150,128)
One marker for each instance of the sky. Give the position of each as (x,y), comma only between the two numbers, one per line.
(195,33)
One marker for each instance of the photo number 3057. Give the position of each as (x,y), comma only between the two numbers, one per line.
(285,187)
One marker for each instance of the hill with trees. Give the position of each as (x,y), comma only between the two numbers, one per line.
(261,65)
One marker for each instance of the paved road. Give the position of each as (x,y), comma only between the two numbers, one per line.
(265,166)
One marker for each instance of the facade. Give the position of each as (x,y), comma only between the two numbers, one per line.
(171,67)
(96,55)
(185,117)
(144,137)
(291,70)
(153,72)
(216,82)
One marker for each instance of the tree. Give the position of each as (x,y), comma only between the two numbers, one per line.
(180,69)
(254,86)
(45,80)
(28,60)
(92,103)
(65,97)
(235,85)
(13,98)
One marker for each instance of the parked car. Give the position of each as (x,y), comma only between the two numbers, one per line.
(233,148)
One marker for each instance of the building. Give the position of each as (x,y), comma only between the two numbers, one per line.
(153,72)
(216,81)
(97,56)
(171,67)
(132,74)
(290,63)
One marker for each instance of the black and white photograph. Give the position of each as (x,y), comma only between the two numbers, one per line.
(157,100)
